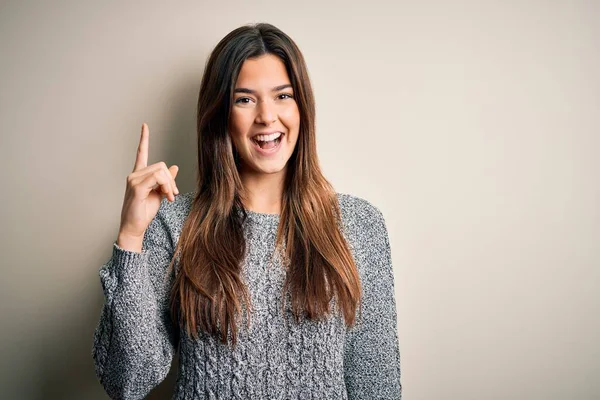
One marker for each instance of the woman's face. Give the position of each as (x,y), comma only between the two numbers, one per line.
(264,103)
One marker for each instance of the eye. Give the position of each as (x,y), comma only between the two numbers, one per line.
(286,94)
(239,100)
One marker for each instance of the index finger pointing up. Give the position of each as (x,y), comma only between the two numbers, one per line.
(141,160)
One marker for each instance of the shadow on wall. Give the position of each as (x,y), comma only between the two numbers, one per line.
(65,368)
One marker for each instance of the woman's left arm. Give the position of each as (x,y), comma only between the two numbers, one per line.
(371,349)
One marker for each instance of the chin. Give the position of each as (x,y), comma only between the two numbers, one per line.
(269,170)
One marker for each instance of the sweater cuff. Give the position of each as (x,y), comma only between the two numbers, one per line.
(127,263)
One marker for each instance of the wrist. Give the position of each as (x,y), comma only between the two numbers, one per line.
(130,243)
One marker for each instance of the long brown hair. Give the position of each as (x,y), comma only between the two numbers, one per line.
(208,289)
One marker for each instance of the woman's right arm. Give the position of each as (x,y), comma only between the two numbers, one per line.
(135,341)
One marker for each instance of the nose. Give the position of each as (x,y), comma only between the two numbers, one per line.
(266,113)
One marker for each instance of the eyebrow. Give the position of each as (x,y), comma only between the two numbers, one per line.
(275,89)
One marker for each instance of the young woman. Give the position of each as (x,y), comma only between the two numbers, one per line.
(268,282)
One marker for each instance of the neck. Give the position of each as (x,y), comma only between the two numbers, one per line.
(263,191)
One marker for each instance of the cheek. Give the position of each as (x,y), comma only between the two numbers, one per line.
(291,117)
(239,122)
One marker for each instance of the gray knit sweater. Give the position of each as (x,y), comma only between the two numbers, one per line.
(134,341)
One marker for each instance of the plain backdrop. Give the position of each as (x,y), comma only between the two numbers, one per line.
(473,126)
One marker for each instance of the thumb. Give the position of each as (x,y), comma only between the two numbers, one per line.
(174,169)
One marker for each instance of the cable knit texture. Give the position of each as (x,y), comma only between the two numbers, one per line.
(276,358)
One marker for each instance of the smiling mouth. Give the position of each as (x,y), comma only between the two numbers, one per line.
(269,144)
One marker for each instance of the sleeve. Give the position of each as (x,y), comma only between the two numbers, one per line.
(134,341)
(371,349)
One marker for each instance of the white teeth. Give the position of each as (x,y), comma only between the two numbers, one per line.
(266,138)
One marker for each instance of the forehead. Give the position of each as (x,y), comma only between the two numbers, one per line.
(262,72)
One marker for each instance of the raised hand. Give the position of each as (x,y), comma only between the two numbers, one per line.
(146,187)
